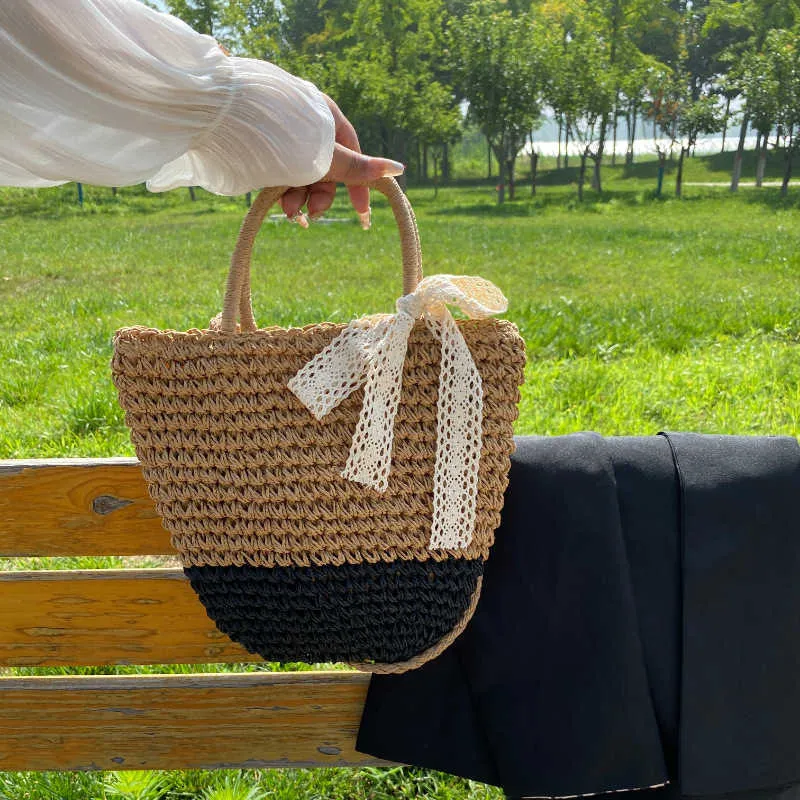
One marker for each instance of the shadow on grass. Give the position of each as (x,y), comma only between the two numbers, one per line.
(557,188)
(648,170)
(771,197)
(723,162)
(593,202)
(61,202)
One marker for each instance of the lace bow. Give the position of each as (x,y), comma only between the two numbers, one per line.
(371,352)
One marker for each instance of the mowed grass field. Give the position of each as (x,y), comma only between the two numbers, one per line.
(639,314)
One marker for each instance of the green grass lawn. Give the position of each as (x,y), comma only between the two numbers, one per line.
(639,314)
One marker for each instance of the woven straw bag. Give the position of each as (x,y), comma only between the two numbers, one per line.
(290,558)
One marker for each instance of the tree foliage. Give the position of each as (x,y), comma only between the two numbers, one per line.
(496,60)
(411,73)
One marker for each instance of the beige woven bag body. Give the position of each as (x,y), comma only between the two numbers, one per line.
(318,520)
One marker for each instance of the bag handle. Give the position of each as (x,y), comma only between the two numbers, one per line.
(238,301)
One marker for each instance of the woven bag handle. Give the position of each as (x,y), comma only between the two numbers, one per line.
(238,302)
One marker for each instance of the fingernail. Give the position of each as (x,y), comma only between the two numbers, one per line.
(393,169)
(366,218)
(301,219)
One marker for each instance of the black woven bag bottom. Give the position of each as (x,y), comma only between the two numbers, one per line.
(384,612)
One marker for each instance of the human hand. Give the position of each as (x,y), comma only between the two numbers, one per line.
(349,166)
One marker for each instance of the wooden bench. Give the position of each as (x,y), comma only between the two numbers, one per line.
(67,618)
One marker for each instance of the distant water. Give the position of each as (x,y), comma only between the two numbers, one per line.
(711,144)
(545,140)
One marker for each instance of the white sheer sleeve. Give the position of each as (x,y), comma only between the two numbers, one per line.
(113,93)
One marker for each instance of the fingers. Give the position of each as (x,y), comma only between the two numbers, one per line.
(351,167)
(293,200)
(346,135)
(359,199)
(320,198)
(344,130)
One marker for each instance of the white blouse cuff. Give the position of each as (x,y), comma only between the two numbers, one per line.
(274,130)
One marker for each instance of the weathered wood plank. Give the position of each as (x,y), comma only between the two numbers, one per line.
(92,617)
(182,721)
(77,507)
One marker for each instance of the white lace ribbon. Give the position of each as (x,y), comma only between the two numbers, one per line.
(371,352)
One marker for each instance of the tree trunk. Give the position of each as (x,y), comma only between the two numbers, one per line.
(631,135)
(488,160)
(662,162)
(80,193)
(192,194)
(581,176)
(628,140)
(788,156)
(534,166)
(725,125)
(737,159)
(614,141)
(762,159)
(598,158)
(425,162)
(566,145)
(445,163)
(248,199)
(501,186)
(510,171)
(558,157)
(679,178)
(398,147)
(114,190)
(384,134)
(597,185)
(400,153)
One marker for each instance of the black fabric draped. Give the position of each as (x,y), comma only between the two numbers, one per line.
(639,625)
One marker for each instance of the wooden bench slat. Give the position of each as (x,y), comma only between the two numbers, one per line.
(94,507)
(93,617)
(182,721)
(78,507)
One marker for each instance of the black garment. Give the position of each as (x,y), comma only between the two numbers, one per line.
(639,623)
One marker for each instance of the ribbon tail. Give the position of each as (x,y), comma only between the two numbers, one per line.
(369,461)
(339,369)
(459,439)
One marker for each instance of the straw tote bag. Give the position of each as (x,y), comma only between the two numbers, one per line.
(332,491)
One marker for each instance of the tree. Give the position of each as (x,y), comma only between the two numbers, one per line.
(495,59)
(682,118)
(635,86)
(614,25)
(748,22)
(202,15)
(437,123)
(252,28)
(315,26)
(753,78)
(781,62)
(384,62)
(580,85)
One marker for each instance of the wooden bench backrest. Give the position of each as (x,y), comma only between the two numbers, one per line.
(67,618)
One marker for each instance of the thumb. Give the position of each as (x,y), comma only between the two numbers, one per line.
(351,167)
